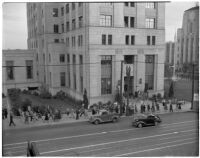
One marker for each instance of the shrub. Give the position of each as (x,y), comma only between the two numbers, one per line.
(42,109)
(159,96)
(15,111)
(25,104)
(45,95)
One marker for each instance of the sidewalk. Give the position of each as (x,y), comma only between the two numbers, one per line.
(65,119)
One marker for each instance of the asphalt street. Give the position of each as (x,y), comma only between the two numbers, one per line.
(177,135)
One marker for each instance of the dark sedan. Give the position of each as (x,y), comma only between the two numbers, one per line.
(146,120)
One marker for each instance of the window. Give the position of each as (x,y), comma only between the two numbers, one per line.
(62,79)
(80,19)
(74,59)
(62,11)
(126,4)
(132,21)
(55,12)
(129,59)
(56,28)
(73,6)
(74,70)
(104,39)
(67,41)
(67,26)
(149,72)
(153,40)
(62,58)
(150,5)
(150,23)
(67,8)
(127,39)
(126,21)
(109,39)
(132,40)
(29,69)
(56,40)
(68,58)
(80,40)
(106,74)
(73,24)
(148,40)
(49,57)
(73,41)
(63,28)
(105,20)
(132,4)
(80,4)
(10,70)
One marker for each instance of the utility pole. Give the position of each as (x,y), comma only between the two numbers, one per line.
(128,70)
(122,62)
(192,103)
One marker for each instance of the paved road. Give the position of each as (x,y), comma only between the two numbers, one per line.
(176,136)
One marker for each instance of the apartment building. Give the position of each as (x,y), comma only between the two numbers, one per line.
(187,42)
(81,46)
(19,70)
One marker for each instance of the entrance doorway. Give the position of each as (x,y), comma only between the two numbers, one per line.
(129,87)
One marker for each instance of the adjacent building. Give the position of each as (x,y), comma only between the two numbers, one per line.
(19,70)
(187,40)
(81,45)
(169,53)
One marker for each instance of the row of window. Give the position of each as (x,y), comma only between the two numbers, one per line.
(10,69)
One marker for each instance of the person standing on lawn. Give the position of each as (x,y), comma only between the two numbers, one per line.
(11,119)
(170,108)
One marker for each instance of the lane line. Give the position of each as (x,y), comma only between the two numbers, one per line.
(140,138)
(77,136)
(154,149)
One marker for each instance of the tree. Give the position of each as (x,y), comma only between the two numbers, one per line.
(85,99)
(171,90)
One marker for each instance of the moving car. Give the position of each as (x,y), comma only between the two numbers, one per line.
(104,116)
(146,120)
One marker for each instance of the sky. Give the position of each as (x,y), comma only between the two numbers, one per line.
(14,22)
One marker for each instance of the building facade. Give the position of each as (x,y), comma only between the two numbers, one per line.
(81,45)
(19,70)
(187,40)
(169,53)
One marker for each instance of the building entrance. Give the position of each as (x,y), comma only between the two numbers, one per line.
(128,86)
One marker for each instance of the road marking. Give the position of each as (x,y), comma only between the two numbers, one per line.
(154,149)
(77,136)
(53,151)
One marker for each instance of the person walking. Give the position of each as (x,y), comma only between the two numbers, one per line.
(6,113)
(26,117)
(11,119)
(170,108)
(148,108)
(77,114)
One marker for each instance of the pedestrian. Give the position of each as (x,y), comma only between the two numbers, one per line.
(46,118)
(141,108)
(11,119)
(67,112)
(157,107)
(144,108)
(77,114)
(136,108)
(170,108)
(153,108)
(26,117)
(6,113)
(148,107)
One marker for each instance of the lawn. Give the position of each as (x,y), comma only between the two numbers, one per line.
(182,89)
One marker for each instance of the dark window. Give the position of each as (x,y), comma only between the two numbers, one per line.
(73,24)
(126,21)
(104,39)
(126,4)
(80,4)
(132,21)
(80,21)
(63,30)
(129,59)
(148,40)
(62,58)
(67,8)
(153,40)
(56,28)
(56,40)
(74,59)
(67,26)
(55,12)
(10,70)
(127,39)
(62,79)
(109,39)
(29,69)
(68,58)
(132,4)
(73,6)
(62,11)
(132,40)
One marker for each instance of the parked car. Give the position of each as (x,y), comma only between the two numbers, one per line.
(146,120)
(104,116)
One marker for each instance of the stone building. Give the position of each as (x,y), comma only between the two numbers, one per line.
(81,45)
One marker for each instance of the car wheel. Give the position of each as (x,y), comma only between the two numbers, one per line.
(155,123)
(114,120)
(96,122)
(139,125)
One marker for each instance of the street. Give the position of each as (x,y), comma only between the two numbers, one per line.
(177,135)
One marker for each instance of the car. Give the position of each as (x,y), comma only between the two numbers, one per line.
(146,120)
(104,116)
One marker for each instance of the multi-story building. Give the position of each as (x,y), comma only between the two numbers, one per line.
(169,53)
(19,70)
(187,40)
(81,46)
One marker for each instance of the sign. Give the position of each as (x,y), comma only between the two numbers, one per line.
(196,97)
